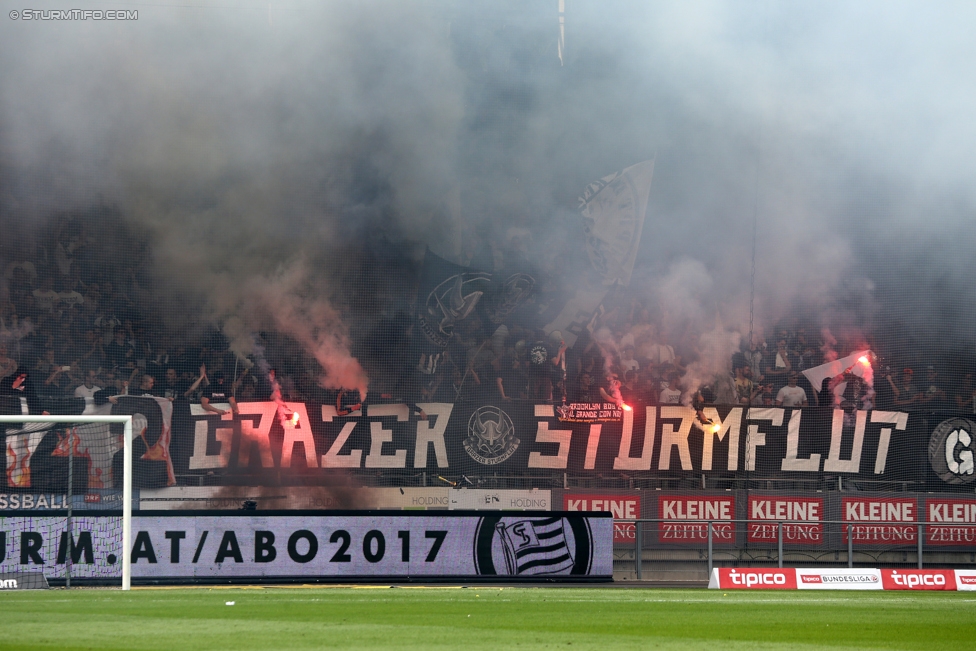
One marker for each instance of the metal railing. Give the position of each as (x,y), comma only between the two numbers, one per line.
(761,542)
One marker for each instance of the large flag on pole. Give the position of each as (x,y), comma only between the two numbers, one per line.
(613,211)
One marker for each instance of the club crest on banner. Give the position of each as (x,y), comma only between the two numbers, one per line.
(532,546)
(951,450)
(491,436)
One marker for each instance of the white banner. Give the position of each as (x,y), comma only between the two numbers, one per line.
(838,579)
(966,580)
(505,500)
(189,498)
(357,545)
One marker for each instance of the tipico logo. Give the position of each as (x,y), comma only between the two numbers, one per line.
(750,579)
(916,580)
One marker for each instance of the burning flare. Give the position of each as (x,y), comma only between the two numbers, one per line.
(626,407)
(864,360)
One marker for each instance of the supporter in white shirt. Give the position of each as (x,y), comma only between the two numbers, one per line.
(670,393)
(627,361)
(792,395)
(89,388)
(69,297)
(45,297)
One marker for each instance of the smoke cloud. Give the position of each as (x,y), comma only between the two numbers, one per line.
(273,151)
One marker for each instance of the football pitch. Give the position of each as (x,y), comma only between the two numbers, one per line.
(483,618)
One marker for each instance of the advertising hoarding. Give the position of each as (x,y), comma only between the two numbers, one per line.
(622,506)
(189,546)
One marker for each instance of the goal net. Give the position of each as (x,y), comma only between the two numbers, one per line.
(66,510)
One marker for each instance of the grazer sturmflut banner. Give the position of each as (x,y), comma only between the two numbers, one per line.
(307,545)
(929,450)
(514,437)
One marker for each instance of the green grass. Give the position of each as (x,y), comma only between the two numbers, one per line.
(488,618)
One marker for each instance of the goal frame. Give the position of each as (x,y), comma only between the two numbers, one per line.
(126,473)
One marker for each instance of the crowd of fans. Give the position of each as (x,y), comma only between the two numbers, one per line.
(77,316)
(625,356)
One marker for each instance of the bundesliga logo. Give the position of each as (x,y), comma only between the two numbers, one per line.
(838,578)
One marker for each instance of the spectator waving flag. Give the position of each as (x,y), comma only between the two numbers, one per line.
(535,546)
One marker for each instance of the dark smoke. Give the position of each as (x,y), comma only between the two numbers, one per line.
(289,161)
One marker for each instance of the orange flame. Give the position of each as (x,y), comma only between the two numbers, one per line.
(715,428)
(294,419)
(18,471)
(626,407)
(864,360)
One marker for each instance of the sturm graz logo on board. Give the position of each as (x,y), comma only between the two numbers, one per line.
(952,449)
(523,546)
(491,436)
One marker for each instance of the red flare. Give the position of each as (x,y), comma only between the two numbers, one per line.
(294,419)
(864,360)
(626,407)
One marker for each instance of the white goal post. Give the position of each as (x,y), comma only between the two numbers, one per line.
(126,471)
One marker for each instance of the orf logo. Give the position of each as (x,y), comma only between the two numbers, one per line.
(951,450)
(491,436)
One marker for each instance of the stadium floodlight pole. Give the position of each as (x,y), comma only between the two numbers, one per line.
(126,479)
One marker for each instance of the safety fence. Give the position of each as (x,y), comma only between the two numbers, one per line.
(667,550)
